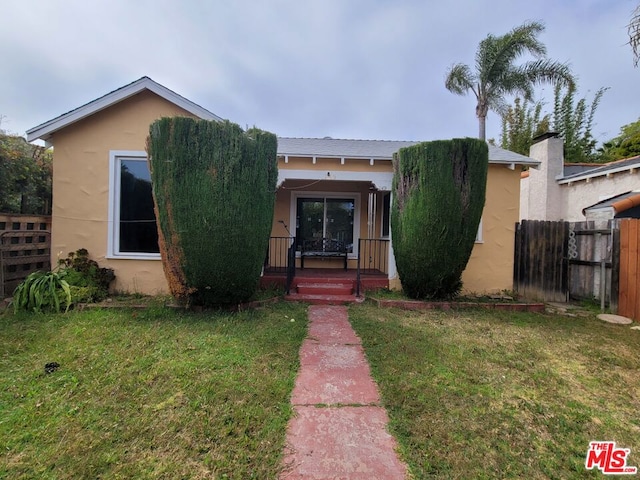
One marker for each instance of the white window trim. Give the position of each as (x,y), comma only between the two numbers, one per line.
(479,234)
(113,239)
(356,214)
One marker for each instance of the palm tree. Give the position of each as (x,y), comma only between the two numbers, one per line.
(634,34)
(497,76)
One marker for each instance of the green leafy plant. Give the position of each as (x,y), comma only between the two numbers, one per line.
(88,281)
(43,291)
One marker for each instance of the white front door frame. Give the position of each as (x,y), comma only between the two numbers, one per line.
(382,181)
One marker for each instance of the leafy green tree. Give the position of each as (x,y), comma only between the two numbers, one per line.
(574,121)
(25,176)
(497,76)
(438,196)
(214,192)
(625,145)
(521,123)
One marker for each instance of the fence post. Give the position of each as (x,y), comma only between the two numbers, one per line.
(615,265)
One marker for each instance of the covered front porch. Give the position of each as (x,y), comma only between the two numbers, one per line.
(331,218)
(330,229)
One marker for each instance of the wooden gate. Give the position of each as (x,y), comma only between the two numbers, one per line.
(629,284)
(540,264)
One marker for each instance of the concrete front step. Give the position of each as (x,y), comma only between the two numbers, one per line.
(316,288)
(318,299)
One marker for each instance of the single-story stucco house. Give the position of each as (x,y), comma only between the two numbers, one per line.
(326,187)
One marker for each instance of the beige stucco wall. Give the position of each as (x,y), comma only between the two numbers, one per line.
(81,185)
(490,268)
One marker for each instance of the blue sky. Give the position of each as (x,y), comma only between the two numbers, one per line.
(340,68)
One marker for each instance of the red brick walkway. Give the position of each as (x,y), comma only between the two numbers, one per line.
(338,430)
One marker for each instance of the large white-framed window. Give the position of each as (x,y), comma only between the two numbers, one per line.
(132,229)
(334,215)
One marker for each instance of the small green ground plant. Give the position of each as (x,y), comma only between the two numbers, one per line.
(76,279)
(43,292)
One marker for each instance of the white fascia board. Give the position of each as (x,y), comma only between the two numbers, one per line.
(600,174)
(339,157)
(382,180)
(510,163)
(45,130)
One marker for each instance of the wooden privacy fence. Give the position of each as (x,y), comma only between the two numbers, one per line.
(629,284)
(558,261)
(25,247)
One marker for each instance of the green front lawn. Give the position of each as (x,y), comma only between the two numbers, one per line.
(162,394)
(475,394)
(147,394)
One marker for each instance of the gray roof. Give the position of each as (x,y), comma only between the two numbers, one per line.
(574,168)
(376,149)
(620,165)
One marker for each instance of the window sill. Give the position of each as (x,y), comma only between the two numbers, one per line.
(134,256)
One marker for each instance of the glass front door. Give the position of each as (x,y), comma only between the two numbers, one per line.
(331,218)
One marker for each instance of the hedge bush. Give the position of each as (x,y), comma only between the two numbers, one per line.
(214,192)
(438,196)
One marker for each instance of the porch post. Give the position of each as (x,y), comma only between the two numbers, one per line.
(393,273)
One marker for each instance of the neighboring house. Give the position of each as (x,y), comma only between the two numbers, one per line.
(559,191)
(326,187)
(625,205)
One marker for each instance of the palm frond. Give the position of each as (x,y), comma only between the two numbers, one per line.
(548,71)
(460,79)
(514,82)
(496,55)
(634,34)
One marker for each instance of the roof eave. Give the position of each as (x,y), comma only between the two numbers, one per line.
(507,163)
(603,173)
(46,130)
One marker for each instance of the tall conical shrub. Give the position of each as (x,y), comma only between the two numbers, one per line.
(214,193)
(438,196)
